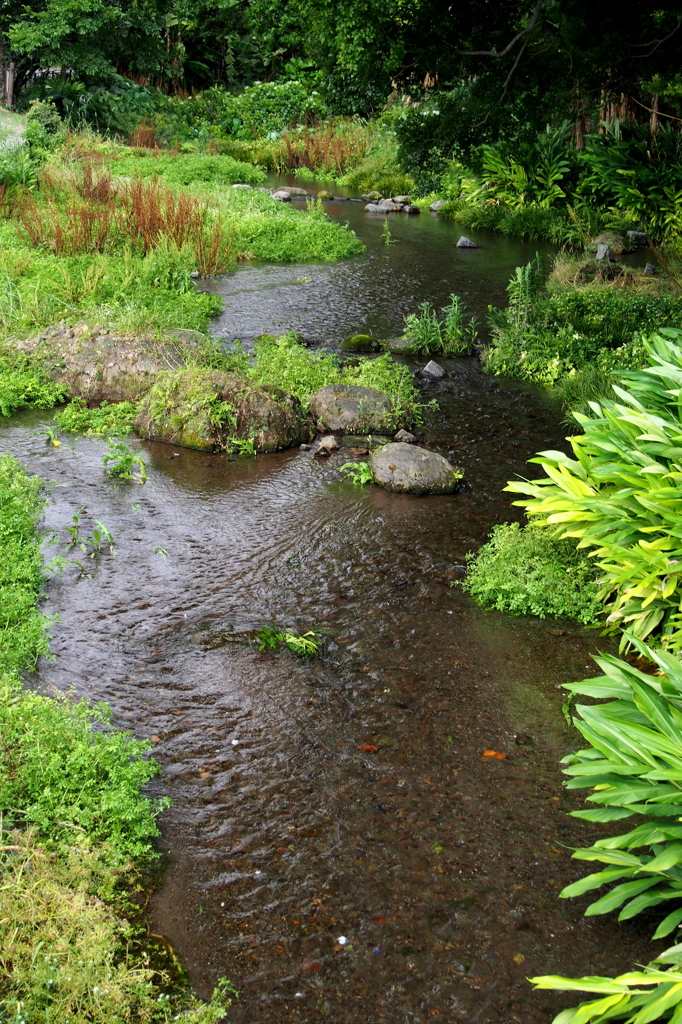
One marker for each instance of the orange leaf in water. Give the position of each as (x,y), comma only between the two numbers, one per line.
(368,748)
(494,753)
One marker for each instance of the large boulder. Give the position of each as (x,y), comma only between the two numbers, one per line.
(413,470)
(97,365)
(353,409)
(196,407)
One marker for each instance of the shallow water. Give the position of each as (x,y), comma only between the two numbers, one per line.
(343,796)
(371,292)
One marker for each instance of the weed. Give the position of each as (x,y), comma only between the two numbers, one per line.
(120,462)
(243,448)
(358,473)
(529,572)
(386,235)
(452,335)
(50,434)
(105,419)
(24,383)
(93,545)
(270,638)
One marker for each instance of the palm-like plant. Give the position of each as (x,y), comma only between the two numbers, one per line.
(622,494)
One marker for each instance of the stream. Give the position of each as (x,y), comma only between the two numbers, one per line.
(338,846)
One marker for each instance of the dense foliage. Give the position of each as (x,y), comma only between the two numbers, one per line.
(526,571)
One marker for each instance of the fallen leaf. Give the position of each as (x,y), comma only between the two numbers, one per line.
(494,753)
(368,748)
(519,958)
(281,849)
(155,739)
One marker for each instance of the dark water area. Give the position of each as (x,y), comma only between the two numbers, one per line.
(338,845)
(372,292)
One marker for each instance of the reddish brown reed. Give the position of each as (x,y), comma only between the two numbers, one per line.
(143,136)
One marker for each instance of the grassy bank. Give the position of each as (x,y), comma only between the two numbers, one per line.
(75,826)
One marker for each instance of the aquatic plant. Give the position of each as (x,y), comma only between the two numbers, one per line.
(270,638)
(243,448)
(526,571)
(91,545)
(107,418)
(359,473)
(50,434)
(620,495)
(120,462)
(450,335)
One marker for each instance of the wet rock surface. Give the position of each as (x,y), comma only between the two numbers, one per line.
(412,470)
(353,409)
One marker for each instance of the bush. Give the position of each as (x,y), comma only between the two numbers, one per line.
(451,335)
(529,572)
(187,168)
(620,494)
(24,383)
(104,419)
(44,127)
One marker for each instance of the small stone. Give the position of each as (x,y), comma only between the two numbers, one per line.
(372,208)
(433,369)
(438,205)
(281,196)
(329,442)
(388,205)
(343,199)
(650,270)
(324,195)
(603,251)
(402,199)
(466,243)
(305,447)
(353,409)
(360,343)
(402,346)
(405,436)
(410,209)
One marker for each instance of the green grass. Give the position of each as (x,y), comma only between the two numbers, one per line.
(104,419)
(529,572)
(183,169)
(24,383)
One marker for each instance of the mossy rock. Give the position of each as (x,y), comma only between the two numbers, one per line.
(324,195)
(195,407)
(402,347)
(615,243)
(360,343)
(353,409)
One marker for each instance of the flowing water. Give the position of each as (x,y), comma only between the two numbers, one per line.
(338,845)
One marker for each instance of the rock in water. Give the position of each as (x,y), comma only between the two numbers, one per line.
(353,409)
(360,343)
(281,196)
(403,200)
(196,407)
(465,243)
(603,251)
(638,237)
(402,346)
(327,445)
(411,209)
(438,205)
(433,369)
(405,436)
(413,470)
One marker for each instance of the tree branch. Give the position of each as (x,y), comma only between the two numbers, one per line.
(520,35)
(655,43)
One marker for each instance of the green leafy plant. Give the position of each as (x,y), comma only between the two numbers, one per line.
(25,383)
(529,572)
(50,434)
(359,473)
(104,419)
(620,494)
(452,335)
(91,545)
(243,448)
(120,462)
(270,638)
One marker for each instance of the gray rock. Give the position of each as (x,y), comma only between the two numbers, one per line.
(342,199)
(305,447)
(638,237)
(369,197)
(329,442)
(413,470)
(353,409)
(438,205)
(372,208)
(243,186)
(402,199)
(405,436)
(466,243)
(402,346)
(281,196)
(433,369)
(411,209)
(293,190)
(650,270)
(603,251)
(388,205)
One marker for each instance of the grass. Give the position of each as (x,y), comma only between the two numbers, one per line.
(74,822)
(104,419)
(25,383)
(183,169)
(526,571)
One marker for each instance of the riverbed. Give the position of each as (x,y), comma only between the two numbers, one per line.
(338,844)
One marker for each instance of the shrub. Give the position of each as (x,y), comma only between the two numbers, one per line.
(529,572)
(620,494)
(44,127)
(24,383)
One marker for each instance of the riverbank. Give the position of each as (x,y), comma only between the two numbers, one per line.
(76,829)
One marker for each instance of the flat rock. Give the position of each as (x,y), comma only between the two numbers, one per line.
(329,442)
(433,369)
(402,199)
(402,346)
(281,196)
(240,185)
(638,237)
(466,243)
(370,197)
(412,470)
(438,205)
(411,209)
(372,208)
(405,436)
(353,409)
(388,205)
